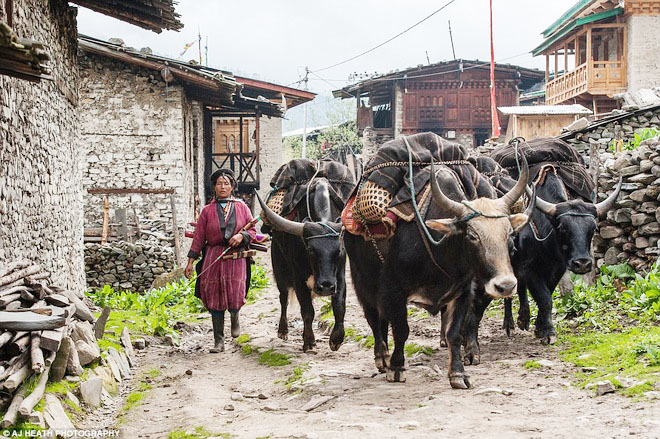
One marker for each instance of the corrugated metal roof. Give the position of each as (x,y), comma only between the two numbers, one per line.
(543,110)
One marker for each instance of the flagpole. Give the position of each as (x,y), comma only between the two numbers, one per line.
(493,103)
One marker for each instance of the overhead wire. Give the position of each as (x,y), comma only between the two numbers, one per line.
(389,39)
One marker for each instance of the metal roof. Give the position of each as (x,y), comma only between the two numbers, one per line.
(545,110)
(574,24)
(421,71)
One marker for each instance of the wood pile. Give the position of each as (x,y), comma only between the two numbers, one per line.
(21,58)
(45,331)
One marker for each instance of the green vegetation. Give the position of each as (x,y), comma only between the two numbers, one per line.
(610,330)
(618,298)
(22,429)
(156,311)
(413,348)
(417,313)
(326,313)
(296,375)
(342,135)
(258,281)
(633,354)
(532,364)
(640,136)
(196,433)
(273,359)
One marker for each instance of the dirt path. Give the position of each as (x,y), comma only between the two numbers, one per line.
(542,403)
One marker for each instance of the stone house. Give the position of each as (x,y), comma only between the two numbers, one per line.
(40,179)
(153,129)
(449,98)
(599,48)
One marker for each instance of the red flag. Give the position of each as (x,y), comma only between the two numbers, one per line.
(493,101)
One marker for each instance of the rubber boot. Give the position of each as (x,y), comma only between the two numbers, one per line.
(235,325)
(218,321)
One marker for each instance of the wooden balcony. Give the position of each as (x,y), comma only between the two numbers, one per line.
(593,77)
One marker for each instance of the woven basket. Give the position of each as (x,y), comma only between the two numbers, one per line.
(276,202)
(372,203)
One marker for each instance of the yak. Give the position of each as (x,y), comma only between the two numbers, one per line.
(307,258)
(475,243)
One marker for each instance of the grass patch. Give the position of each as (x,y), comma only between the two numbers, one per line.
(611,329)
(531,364)
(273,359)
(152,373)
(417,313)
(195,433)
(133,400)
(413,348)
(296,376)
(243,338)
(633,354)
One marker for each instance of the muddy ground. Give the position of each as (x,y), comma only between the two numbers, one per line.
(538,403)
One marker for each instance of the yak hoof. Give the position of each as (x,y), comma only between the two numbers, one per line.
(382,363)
(396,375)
(547,336)
(523,321)
(443,342)
(508,326)
(283,335)
(471,359)
(460,382)
(336,340)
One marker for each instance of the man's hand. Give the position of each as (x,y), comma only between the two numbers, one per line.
(236,240)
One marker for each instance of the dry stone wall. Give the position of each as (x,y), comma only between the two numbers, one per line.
(40,167)
(631,231)
(624,129)
(126,266)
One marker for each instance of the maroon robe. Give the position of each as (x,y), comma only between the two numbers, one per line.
(222,283)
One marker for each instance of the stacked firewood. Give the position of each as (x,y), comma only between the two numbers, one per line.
(45,331)
(20,57)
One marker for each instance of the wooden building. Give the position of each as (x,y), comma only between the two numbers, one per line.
(450,98)
(531,121)
(599,48)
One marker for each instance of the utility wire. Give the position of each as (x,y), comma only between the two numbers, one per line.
(475,66)
(388,40)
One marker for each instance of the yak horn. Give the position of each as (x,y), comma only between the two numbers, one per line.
(532,201)
(441,200)
(279,223)
(546,207)
(605,205)
(510,198)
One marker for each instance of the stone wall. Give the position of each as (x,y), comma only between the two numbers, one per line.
(624,129)
(138,132)
(632,229)
(271,153)
(40,173)
(126,266)
(643,46)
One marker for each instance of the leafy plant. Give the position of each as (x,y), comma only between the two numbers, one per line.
(638,138)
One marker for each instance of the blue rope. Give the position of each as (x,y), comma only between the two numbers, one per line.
(411,185)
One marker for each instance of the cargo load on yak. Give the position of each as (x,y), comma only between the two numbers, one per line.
(383,196)
(291,185)
(544,155)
